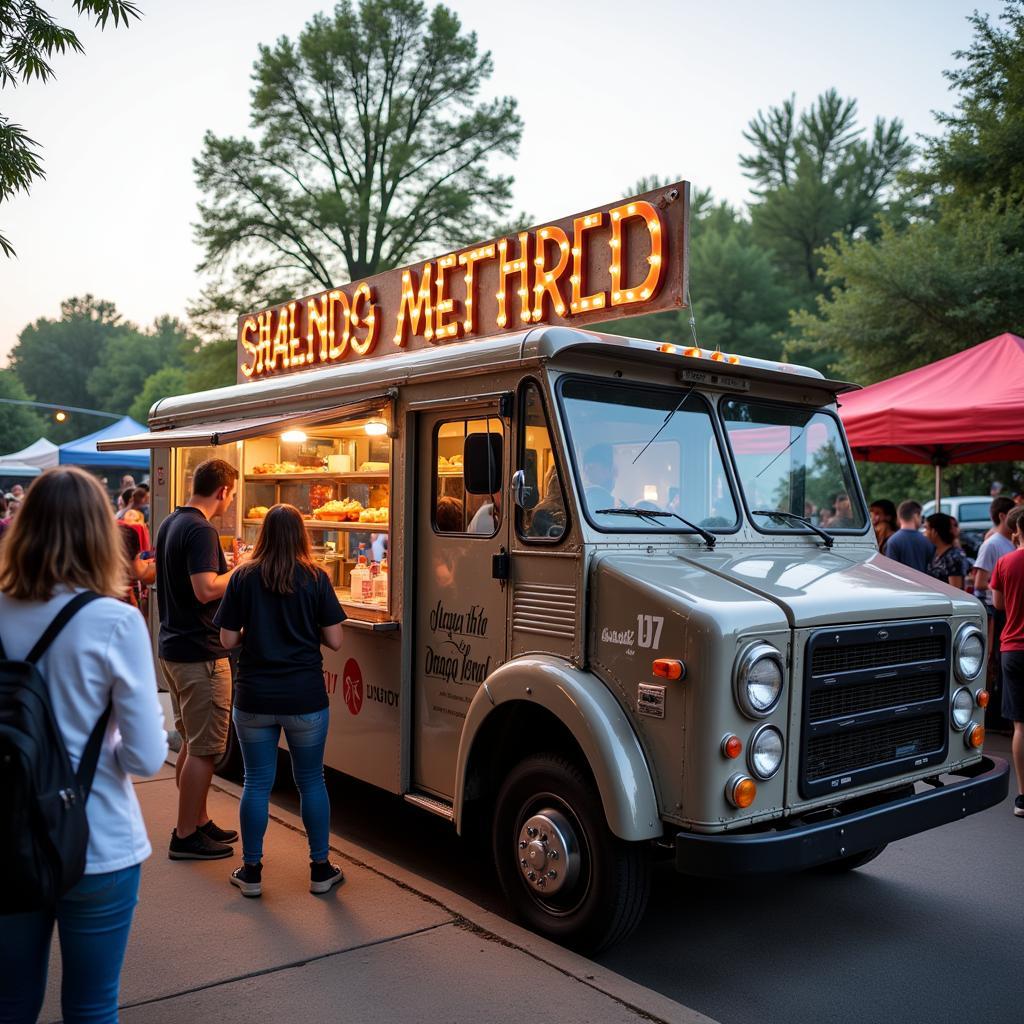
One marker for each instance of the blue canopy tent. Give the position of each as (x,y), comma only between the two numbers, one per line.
(82,451)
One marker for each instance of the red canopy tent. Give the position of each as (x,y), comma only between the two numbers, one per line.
(968,407)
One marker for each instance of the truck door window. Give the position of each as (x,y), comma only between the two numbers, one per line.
(546,519)
(456,509)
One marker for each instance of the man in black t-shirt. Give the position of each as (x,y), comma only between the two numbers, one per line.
(192,575)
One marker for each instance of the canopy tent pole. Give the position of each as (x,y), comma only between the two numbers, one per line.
(938,486)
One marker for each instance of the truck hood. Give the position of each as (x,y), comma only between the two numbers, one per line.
(814,587)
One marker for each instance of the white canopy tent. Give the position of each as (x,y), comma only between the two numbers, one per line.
(42,454)
(10,469)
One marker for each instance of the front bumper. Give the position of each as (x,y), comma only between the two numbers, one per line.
(802,846)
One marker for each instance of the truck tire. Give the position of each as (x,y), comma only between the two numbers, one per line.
(843,864)
(549,819)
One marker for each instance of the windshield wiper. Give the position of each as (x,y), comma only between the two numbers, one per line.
(665,422)
(778,513)
(656,514)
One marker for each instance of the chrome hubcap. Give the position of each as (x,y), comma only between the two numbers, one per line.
(548,852)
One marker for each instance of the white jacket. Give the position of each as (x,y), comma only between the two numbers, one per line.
(102,654)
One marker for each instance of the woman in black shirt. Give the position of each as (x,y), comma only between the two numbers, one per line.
(280,608)
(949,563)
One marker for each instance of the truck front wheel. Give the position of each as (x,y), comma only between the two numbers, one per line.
(563,872)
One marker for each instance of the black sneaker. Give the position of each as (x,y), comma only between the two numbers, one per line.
(324,877)
(248,878)
(219,835)
(197,846)
(1018,807)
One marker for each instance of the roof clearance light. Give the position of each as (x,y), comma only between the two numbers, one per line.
(693,350)
(294,436)
(376,428)
(671,349)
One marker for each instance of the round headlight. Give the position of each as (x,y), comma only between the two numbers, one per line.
(968,652)
(764,752)
(758,679)
(960,708)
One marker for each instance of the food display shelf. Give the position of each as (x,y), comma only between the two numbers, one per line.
(318,475)
(331,524)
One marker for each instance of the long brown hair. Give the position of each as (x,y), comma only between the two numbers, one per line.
(282,544)
(64,534)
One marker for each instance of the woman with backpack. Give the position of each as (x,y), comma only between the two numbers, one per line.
(279,608)
(62,565)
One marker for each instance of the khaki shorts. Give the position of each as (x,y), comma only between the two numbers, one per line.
(201,702)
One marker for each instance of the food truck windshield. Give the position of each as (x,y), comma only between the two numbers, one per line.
(639,449)
(792,460)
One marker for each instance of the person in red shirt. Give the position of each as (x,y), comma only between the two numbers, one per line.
(1007,586)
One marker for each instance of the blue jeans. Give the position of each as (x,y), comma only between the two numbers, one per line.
(93,919)
(258,736)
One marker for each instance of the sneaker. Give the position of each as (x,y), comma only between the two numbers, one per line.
(219,835)
(248,879)
(324,877)
(1018,807)
(197,846)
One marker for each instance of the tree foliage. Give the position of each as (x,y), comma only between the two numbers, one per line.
(371,146)
(816,175)
(29,37)
(165,382)
(19,424)
(982,150)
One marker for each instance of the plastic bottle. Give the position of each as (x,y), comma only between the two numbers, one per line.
(380,584)
(360,579)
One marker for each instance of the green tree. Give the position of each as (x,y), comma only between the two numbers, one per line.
(372,146)
(817,176)
(29,37)
(917,295)
(19,425)
(130,358)
(168,381)
(213,364)
(981,152)
(54,358)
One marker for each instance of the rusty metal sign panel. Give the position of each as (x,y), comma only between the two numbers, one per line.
(622,259)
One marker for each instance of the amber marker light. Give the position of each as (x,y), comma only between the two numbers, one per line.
(740,791)
(671,349)
(732,746)
(982,698)
(974,736)
(668,668)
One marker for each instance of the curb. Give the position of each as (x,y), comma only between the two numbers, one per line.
(655,1007)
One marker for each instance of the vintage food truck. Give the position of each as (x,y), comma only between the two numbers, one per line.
(591,605)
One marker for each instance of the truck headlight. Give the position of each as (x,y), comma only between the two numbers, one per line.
(960,708)
(968,652)
(758,679)
(764,752)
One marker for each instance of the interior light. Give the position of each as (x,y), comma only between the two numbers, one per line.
(294,436)
(650,492)
(376,428)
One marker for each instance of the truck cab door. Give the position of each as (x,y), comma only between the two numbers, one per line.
(461,587)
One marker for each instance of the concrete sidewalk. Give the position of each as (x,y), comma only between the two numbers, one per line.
(384,946)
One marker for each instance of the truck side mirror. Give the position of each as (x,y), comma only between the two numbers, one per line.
(481,463)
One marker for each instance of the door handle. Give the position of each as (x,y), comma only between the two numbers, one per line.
(500,565)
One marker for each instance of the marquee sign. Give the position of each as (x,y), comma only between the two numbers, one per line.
(622,259)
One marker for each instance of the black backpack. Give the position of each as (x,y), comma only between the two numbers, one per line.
(42,801)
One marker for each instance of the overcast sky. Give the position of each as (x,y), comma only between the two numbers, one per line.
(609,91)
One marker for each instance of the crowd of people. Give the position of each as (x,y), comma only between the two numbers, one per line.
(995,577)
(69,566)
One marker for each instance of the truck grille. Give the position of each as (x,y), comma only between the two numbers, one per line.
(850,752)
(875,703)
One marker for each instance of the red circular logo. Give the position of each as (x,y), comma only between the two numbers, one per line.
(352,686)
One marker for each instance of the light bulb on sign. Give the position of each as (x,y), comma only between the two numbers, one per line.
(375,428)
(294,436)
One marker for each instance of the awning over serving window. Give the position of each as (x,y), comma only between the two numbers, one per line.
(227,431)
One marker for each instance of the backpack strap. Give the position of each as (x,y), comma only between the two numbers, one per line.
(91,753)
(60,620)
